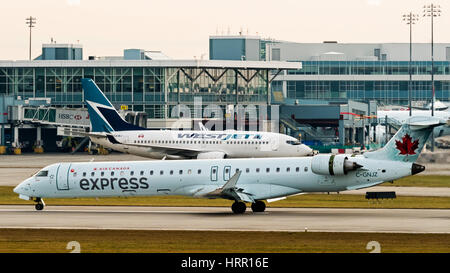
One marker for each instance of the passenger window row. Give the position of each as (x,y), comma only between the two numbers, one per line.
(247,142)
(277,170)
(161,172)
(199,171)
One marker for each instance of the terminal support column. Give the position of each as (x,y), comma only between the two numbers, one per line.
(16,137)
(38,145)
(38,136)
(2,136)
(341,132)
(2,140)
(16,144)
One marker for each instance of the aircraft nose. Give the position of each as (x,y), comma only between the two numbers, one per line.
(21,189)
(306,149)
(18,189)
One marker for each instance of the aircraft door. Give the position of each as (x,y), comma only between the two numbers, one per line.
(62,176)
(214,171)
(274,143)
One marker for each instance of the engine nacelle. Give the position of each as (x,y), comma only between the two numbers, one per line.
(211,155)
(332,165)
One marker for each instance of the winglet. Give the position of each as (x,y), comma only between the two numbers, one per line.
(229,189)
(231,183)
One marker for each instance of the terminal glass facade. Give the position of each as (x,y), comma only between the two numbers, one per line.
(151,89)
(371,68)
(384,81)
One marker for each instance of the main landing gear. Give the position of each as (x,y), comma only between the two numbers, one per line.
(39,203)
(240,207)
(259,206)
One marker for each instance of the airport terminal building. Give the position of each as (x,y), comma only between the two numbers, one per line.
(151,86)
(35,94)
(335,71)
(145,81)
(326,91)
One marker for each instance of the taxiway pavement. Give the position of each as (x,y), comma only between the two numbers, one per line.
(221,219)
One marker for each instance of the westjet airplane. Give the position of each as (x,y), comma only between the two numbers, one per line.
(241,180)
(111,131)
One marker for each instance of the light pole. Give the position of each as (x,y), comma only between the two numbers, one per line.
(432,11)
(30,21)
(410,20)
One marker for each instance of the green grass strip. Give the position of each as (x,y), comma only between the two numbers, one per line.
(8,197)
(141,241)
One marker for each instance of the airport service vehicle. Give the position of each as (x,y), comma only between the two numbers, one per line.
(241,180)
(111,131)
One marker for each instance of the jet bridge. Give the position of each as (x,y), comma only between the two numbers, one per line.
(68,122)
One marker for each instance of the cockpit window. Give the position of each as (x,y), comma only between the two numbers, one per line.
(293,142)
(42,173)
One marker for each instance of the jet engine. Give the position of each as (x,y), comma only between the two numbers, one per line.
(332,165)
(211,155)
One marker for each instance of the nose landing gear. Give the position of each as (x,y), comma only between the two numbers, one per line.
(39,203)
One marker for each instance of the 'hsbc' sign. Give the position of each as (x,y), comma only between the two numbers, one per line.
(72,117)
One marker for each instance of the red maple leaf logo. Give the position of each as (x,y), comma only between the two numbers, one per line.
(406,146)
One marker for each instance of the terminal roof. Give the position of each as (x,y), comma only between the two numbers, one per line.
(155,63)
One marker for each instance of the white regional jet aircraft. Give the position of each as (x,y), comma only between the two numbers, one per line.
(110,130)
(241,180)
(402,115)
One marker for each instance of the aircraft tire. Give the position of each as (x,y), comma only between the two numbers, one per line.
(258,206)
(238,207)
(39,206)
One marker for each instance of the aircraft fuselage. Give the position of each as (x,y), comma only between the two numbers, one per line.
(264,178)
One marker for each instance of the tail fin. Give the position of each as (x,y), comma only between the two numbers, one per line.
(103,115)
(407,144)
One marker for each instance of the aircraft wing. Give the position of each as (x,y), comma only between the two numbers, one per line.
(186,152)
(93,134)
(230,191)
